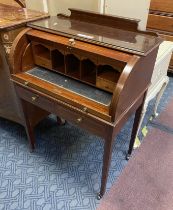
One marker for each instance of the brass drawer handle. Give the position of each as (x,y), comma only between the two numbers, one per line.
(34,98)
(85,109)
(79,120)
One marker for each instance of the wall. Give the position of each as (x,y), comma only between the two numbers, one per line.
(129,8)
(40,5)
(31,4)
(9,2)
(61,6)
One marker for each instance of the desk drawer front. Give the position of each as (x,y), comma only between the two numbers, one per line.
(81,119)
(162,23)
(35,98)
(69,113)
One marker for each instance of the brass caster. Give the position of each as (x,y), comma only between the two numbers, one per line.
(128,156)
(32,149)
(156,115)
(99,196)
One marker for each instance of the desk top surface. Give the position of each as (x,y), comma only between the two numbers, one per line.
(129,41)
(11,16)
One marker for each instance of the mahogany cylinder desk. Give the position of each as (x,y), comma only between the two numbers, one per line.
(92,70)
(13,19)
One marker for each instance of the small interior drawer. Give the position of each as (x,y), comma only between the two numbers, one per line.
(43,62)
(105,84)
(42,55)
(35,98)
(107,77)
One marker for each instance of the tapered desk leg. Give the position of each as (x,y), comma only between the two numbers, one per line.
(136,123)
(106,164)
(28,127)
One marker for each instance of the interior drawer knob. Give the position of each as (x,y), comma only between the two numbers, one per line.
(79,120)
(34,98)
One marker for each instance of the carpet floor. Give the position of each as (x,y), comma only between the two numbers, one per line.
(64,171)
(146,182)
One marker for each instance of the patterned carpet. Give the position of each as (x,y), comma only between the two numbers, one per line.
(64,171)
